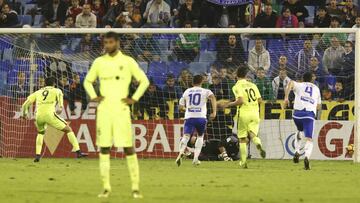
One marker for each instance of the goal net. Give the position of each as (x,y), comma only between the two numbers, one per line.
(170,58)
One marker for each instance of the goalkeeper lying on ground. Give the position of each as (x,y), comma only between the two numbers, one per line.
(46,100)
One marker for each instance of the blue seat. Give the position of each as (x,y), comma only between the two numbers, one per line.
(204,44)
(144,66)
(198,67)
(28,7)
(8,55)
(207,56)
(175,67)
(26,20)
(4,66)
(163,44)
(80,66)
(157,72)
(3,84)
(38,20)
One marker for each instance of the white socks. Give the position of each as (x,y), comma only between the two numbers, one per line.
(183,143)
(198,146)
(308,148)
(297,142)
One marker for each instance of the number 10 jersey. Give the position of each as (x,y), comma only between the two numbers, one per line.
(195,99)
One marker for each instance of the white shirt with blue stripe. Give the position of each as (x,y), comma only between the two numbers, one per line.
(307,96)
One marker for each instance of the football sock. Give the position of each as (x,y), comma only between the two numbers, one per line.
(105,170)
(39,143)
(198,146)
(308,148)
(183,143)
(133,166)
(297,142)
(243,152)
(256,140)
(73,141)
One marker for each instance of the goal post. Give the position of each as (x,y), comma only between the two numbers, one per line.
(173,54)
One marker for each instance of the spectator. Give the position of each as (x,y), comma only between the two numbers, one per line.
(113,12)
(20,89)
(264,84)
(231,53)
(266,19)
(322,19)
(69,22)
(334,10)
(326,38)
(88,44)
(350,11)
(189,12)
(86,19)
(8,17)
(157,13)
(99,11)
(303,58)
(185,80)
(340,94)
(332,56)
(55,11)
(259,57)
(128,17)
(40,83)
(146,48)
(74,10)
(227,80)
(139,7)
(172,92)
(279,84)
(327,94)
(357,25)
(63,85)
(77,91)
(347,71)
(2,4)
(318,71)
(187,46)
(287,20)
(251,14)
(151,101)
(297,8)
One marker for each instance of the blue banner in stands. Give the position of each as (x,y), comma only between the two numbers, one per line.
(230,2)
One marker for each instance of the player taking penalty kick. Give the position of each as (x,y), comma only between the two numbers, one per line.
(307,101)
(46,100)
(194,101)
(113,121)
(247,97)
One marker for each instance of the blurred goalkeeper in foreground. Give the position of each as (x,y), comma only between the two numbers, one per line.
(113,121)
(46,100)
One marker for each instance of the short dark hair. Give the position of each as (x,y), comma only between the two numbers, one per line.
(350,42)
(334,18)
(50,81)
(242,71)
(323,8)
(170,76)
(198,79)
(307,77)
(113,35)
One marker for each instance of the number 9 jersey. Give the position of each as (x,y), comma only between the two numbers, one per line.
(46,99)
(195,99)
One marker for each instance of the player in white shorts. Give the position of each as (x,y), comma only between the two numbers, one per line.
(194,101)
(307,102)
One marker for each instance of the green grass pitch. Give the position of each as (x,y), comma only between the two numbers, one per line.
(77,181)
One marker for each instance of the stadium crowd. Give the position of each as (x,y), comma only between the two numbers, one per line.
(329,56)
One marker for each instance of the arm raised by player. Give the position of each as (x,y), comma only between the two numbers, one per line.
(214,106)
(25,107)
(289,87)
(90,78)
(140,76)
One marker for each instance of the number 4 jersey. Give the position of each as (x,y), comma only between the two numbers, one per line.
(307,96)
(195,99)
(46,99)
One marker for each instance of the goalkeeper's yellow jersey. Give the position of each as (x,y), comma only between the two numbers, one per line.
(46,100)
(250,94)
(115,74)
